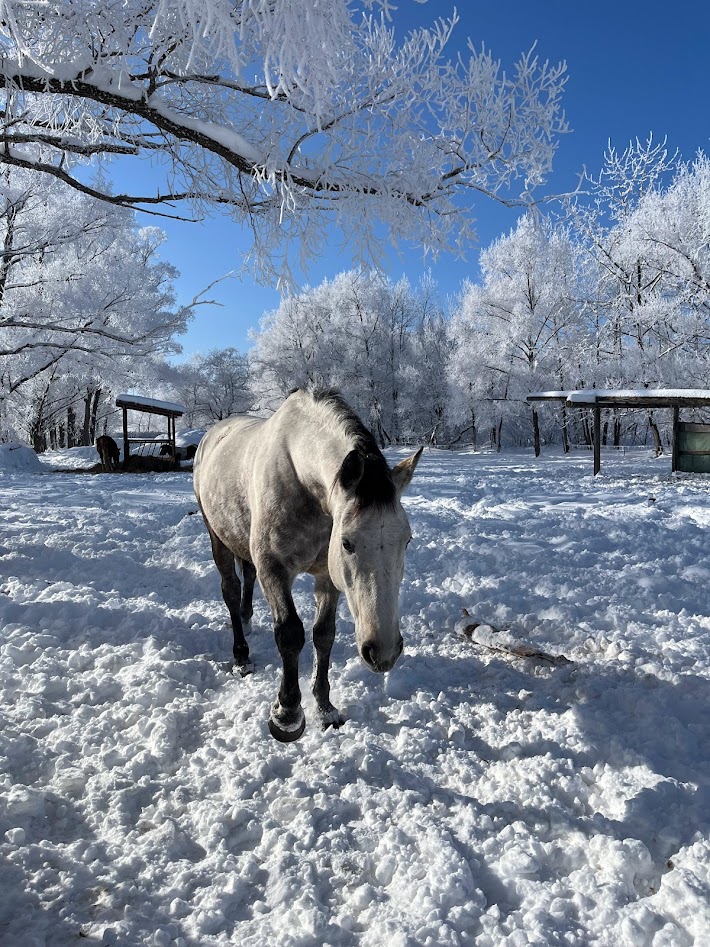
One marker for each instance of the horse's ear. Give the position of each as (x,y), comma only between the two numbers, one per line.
(351,471)
(404,471)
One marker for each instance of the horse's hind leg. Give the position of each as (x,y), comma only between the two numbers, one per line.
(323,637)
(232,594)
(246,610)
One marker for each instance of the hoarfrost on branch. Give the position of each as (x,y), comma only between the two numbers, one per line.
(291,116)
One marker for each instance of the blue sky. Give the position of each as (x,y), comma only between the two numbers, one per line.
(634,67)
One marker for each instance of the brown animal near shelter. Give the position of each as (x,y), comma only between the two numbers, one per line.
(109,452)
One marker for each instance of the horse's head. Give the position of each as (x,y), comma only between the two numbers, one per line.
(366,554)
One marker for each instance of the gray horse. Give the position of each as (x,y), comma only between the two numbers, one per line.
(307,490)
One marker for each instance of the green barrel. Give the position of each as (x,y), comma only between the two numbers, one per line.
(693,447)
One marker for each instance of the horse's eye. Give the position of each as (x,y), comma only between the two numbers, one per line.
(348,546)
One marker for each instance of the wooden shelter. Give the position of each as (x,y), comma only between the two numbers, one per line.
(691,442)
(166,409)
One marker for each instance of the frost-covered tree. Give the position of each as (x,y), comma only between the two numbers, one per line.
(290,116)
(518,329)
(644,233)
(673,227)
(84,301)
(77,278)
(425,393)
(363,334)
(621,280)
(214,386)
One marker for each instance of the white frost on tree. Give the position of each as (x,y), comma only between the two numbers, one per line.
(213,386)
(291,116)
(518,330)
(84,302)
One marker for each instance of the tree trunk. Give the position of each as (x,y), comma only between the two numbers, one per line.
(474,433)
(500,431)
(565,433)
(71,427)
(536,432)
(656,434)
(39,442)
(86,426)
(587,431)
(94,410)
(617,429)
(38,425)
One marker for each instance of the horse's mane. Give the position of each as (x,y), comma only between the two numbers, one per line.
(376,487)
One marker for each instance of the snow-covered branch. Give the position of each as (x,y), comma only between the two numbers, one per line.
(288,118)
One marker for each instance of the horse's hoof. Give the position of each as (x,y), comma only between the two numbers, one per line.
(287,734)
(245,668)
(332,719)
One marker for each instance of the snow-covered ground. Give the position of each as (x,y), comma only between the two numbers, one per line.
(472,797)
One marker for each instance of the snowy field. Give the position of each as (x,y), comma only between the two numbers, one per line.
(473,797)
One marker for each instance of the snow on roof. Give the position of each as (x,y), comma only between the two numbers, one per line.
(189,438)
(548,395)
(158,407)
(653,397)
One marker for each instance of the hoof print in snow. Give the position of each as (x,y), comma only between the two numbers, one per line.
(286,736)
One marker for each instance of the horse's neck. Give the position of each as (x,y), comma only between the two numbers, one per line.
(318,447)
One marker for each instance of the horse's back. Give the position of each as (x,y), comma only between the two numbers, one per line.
(222,469)
(225,434)
(250,494)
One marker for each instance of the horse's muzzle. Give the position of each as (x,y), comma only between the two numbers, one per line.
(377,659)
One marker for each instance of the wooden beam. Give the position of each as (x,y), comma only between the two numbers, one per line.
(674,449)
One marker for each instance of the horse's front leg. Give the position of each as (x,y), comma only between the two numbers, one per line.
(286,721)
(323,637)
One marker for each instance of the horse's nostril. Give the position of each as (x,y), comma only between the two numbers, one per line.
(369,654)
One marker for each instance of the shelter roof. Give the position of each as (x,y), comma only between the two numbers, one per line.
(150,405)
(627,398)
(641,397)
(548,395)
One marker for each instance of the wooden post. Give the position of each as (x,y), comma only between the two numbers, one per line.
(565,434)
(126,445)
(536,432)
(674,449)
(597,439)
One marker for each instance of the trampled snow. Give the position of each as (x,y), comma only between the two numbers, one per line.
(473,796)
